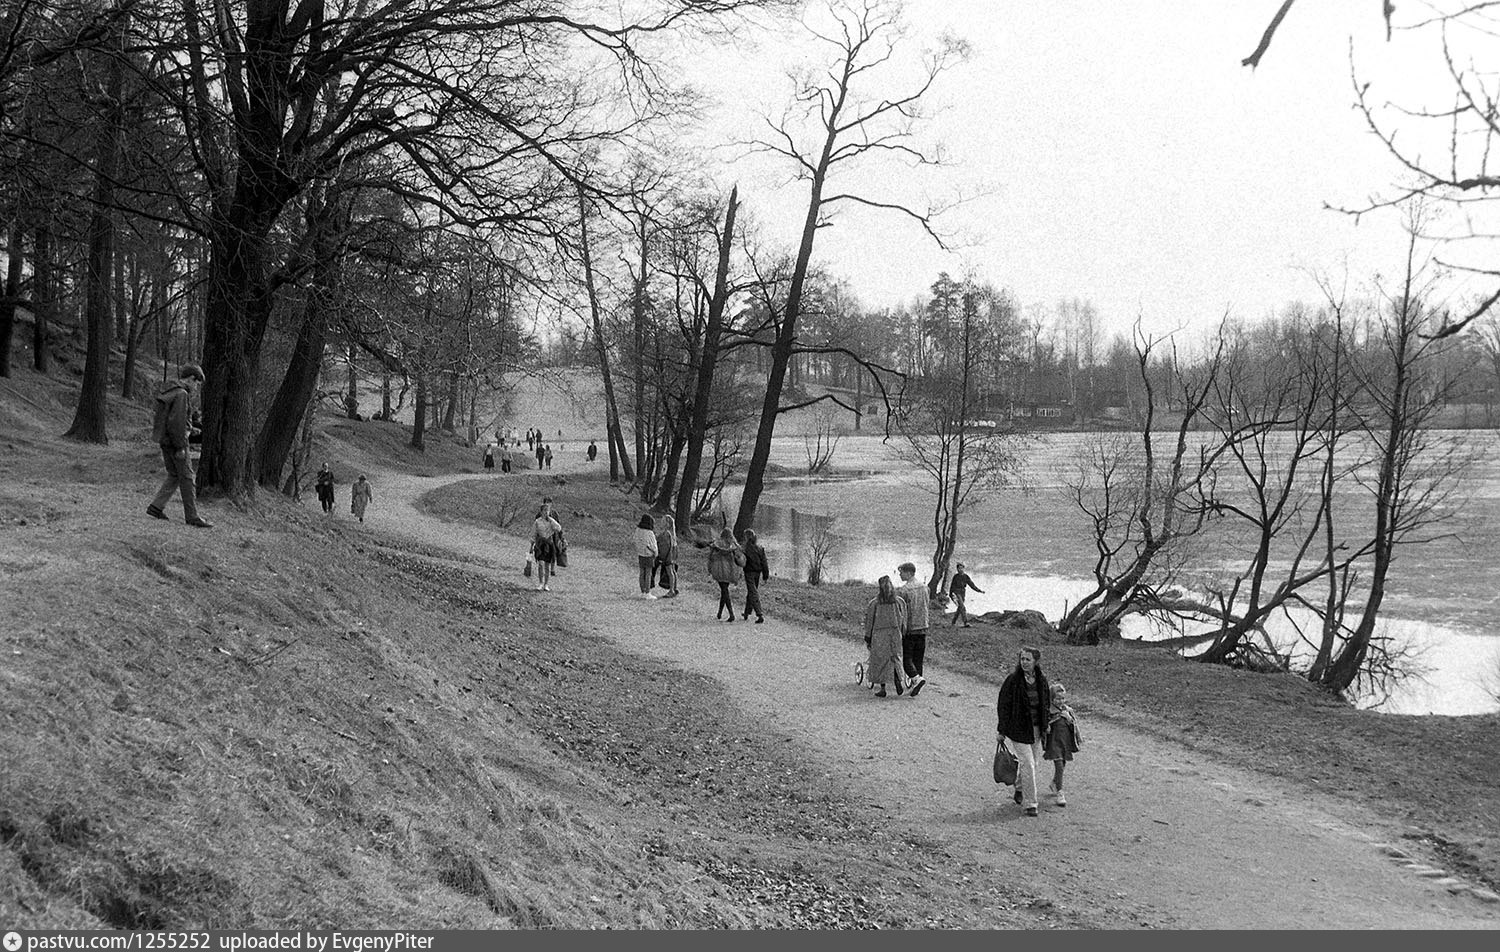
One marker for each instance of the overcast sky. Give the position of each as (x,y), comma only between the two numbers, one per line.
(1129,158)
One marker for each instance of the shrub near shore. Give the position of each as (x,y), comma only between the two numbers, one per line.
(1440,776)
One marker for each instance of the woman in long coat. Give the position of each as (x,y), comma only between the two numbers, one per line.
(360,496)
(885,620)
(324,484)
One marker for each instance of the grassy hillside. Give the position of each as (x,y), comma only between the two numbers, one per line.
(292,720)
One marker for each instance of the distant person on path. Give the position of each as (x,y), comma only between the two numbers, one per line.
(324,485)
(541,454)
(1022,709)
(1063,739)
(666,554)
(544,533)
(359,496)
(724,562)
(593,451)
(172,429)
(956,591)
(529,439)
(885,621)
(549,456)
(756,571)
(489,457)
(645,553)
(505,461)
(914,642)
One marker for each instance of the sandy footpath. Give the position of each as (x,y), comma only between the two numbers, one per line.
(1153,834)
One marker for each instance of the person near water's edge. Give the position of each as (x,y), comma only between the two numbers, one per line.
(956,589)
(914,641)
(1022,721)
(646,551)
(172,429)
(885,621)
(724,562)
(756,571)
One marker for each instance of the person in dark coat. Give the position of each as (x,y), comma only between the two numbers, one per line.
(1022,708)
(324,484)
(756,571)
(172,429)
(957,588)
(593,451)
(489,457)
(541,454)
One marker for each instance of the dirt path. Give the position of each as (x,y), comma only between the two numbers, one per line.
(1153,834)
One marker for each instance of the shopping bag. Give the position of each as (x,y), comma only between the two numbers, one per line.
(1006,764)
(527,570)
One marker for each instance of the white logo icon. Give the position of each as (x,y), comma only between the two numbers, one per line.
(12,941)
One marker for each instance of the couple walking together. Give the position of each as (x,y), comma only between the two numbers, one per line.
(896,622)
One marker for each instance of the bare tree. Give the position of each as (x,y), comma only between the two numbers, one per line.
(822,443)
(851,121)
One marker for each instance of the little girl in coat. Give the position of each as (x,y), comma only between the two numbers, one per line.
(1063,738)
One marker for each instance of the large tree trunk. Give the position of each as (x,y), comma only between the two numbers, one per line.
(619,460)
(351,399)
(90,422)
(43,299)
(287,408)
(781,350)
(419,416)
(708,359)
(639,314)
(12,292)
(450,413)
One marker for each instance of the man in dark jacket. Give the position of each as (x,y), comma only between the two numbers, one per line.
(756,571)
(171,429)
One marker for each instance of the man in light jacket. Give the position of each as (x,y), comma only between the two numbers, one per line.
(914,641)
(171,429)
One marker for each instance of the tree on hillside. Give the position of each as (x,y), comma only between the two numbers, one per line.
(851,119)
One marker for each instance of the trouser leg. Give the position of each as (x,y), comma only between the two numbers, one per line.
(917,652)
(1057,773)
(646,563)
(906,664)
(179,479)
(752,595)
(1028,756)
(724,600)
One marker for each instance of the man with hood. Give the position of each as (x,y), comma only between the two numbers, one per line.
(171,429)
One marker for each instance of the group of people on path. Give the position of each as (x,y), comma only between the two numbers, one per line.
(656,549)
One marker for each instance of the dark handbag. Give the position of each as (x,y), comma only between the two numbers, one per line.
(560,548)
(1006,765)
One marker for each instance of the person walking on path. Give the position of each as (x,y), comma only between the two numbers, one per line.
(1063,739)
(529,439)
(593,451)
(489,457)
(359,496)
(544,535)
(324,484)
(956,590)
(666,554)
(724,562)
(756,571)
(504,461)
(914,641)
(646,551)
(1022,709)
(885,621)
(549,455)
(172,429)
(541,454)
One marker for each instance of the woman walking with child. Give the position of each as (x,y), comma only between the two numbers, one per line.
(885,620)
(1022,708)
(724,562)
